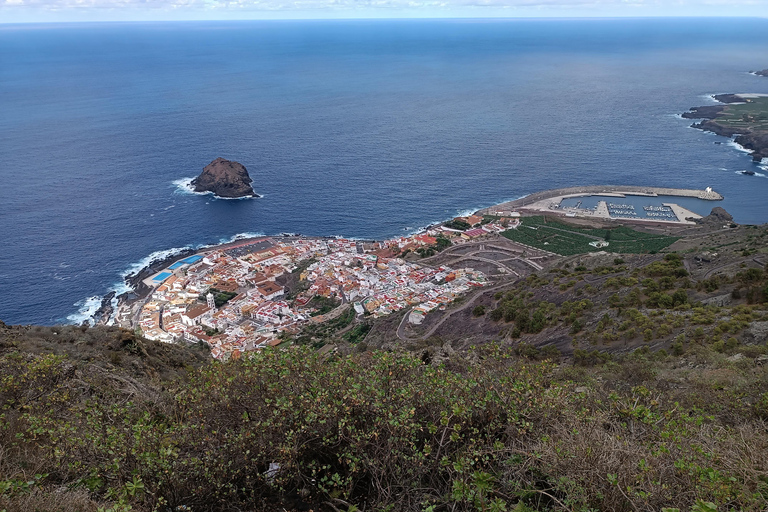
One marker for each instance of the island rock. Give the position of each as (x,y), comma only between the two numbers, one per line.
(763,72)
(225,178)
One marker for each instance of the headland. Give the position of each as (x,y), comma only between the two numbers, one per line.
(741,116)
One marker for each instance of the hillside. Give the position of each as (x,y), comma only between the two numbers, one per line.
(600,382)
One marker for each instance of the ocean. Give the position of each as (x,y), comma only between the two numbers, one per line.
(366,129)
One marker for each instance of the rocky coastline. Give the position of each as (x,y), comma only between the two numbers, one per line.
(139,290)
(104,313)
(752,140)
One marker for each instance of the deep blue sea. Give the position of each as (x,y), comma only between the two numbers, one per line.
(358,128)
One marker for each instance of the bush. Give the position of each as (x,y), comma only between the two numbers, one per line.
(761,407)
(291,429)
(478,311)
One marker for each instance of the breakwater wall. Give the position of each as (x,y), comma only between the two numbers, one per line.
(710,194)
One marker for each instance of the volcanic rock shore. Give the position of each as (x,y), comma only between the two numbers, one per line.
(755,140)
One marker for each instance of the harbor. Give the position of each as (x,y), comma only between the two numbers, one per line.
(637,204)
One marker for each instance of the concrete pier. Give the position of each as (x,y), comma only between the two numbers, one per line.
(547,201)
(611,190)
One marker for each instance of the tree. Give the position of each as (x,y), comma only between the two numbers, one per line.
(680,297)
(443,243)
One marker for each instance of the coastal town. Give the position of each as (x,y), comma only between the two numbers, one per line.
(260,292)
(238,298)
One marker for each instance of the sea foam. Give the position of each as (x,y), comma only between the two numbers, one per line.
(184,186)
(86,309)
(732,143)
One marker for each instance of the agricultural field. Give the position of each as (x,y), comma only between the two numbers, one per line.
(566,240)
(752,115)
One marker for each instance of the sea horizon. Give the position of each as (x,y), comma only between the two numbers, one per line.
(362,128)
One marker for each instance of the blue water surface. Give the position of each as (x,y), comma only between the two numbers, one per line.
(361,128)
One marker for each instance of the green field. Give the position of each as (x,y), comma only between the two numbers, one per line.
(752,115)
(566,240)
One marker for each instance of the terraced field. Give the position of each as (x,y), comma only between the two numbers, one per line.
(752,115)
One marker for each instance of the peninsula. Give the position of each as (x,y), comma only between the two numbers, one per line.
(741,116)
(763,72)
(226,179)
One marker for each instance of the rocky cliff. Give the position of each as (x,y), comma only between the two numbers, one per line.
(738,116)
(225,178)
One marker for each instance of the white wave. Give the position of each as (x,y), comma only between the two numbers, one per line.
(255,196)
(732,143)
(121,287)
(137,267)
(352,238)
(459,213)
(234,238)
(755,175)
(710,97)
(184,186)
(114,303)
(86,308)
(703,132)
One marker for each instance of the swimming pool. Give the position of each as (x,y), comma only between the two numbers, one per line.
(161,276)
(186,261)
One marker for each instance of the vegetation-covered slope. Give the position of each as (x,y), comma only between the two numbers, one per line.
(290,429)
(600,382)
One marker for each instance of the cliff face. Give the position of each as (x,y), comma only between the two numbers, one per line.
(225,178)
(749,132)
